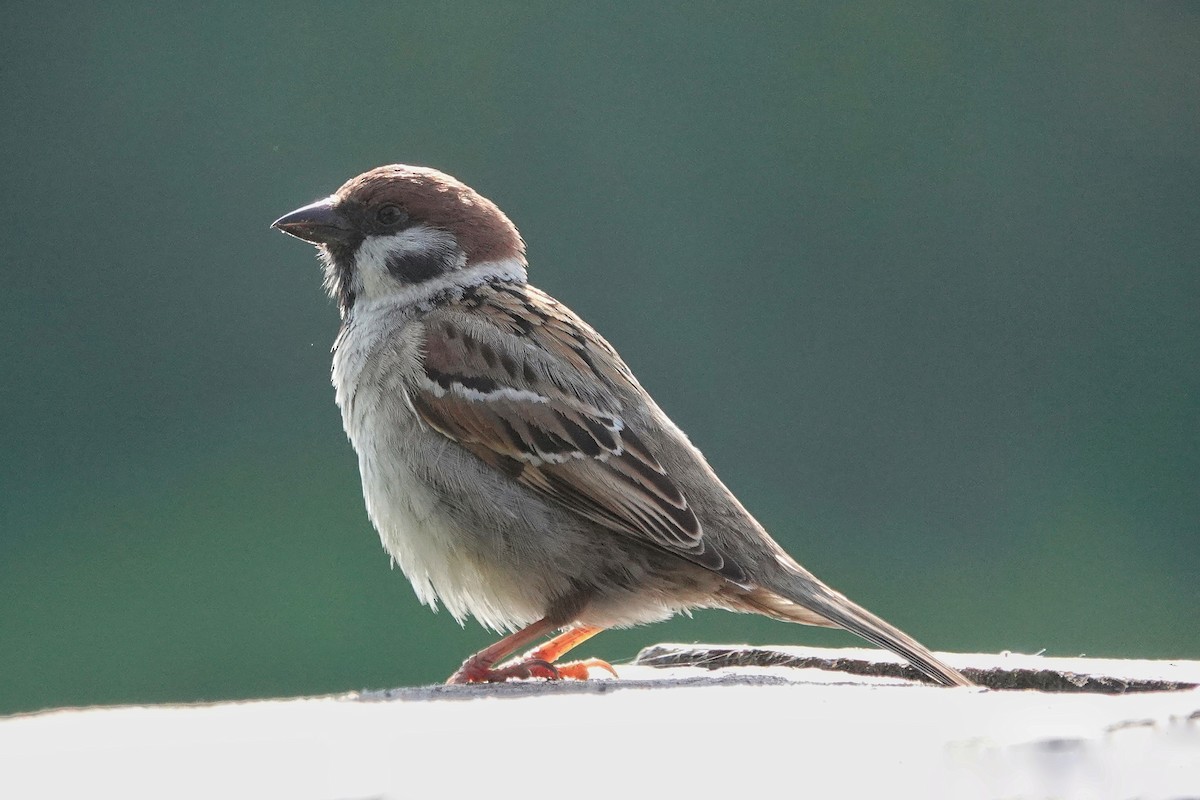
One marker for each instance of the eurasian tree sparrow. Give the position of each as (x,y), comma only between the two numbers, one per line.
(513,465)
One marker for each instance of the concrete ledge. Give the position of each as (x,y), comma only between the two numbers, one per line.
(687,731)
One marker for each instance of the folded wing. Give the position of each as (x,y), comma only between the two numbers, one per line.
(534,395)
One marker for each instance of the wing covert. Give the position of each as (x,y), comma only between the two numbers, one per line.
(536,400)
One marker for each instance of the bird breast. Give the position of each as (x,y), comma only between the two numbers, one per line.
(445,547)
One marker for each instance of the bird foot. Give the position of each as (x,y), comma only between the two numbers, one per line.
(578,670)
(475,671)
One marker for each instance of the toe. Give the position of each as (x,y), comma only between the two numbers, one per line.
(579,670)
(528,668)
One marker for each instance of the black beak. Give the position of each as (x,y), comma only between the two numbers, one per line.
(317,223)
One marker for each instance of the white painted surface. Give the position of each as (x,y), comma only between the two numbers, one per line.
(656,733)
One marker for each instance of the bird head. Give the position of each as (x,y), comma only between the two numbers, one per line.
(402,233)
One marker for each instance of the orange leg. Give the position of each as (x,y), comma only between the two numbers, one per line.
(557,647)
(478,668)
(537,663)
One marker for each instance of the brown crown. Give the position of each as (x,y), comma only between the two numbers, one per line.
(436,199)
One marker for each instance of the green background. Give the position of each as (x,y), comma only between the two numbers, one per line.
(921,280)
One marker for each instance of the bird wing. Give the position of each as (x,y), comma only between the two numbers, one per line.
(527,386)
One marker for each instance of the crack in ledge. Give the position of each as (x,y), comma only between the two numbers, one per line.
(1044,680)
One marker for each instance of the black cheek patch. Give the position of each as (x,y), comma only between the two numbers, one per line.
(416,267)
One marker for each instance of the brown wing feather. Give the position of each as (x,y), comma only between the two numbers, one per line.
(542,409)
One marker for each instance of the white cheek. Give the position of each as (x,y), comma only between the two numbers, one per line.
(372,283)
(371,275)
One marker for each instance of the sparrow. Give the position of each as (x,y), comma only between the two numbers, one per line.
(512,464)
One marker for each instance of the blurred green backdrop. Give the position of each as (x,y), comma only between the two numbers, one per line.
(922,282)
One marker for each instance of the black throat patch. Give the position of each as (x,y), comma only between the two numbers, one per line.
(338,276)
(419,266)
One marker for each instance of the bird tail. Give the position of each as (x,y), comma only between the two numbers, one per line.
(799,596)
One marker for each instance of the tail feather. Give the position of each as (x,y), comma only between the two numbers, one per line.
(807,600)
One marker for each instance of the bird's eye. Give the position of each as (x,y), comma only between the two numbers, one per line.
(390,215)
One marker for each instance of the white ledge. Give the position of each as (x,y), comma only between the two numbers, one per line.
(725,732)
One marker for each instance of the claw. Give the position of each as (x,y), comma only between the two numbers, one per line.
(529,668)
(532,668)
(537,663)
(482,673)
